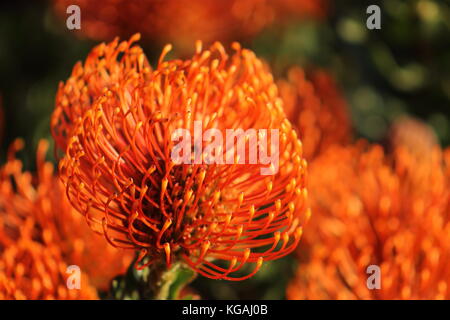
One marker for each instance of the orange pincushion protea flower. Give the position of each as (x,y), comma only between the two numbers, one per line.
(182,22)
(317,110)
(119,173)
(43,200)
(31,264)
(33,271)
(375,209)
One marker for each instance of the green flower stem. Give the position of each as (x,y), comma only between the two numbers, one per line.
(154,282)
(166,280)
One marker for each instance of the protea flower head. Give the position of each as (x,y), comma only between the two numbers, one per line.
(39,200)
(390,211)
(32,265)
(29,270)
(217,218)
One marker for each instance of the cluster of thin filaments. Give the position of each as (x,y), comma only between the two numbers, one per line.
(391,211)
(216,217)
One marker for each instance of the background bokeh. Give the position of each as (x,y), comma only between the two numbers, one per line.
(404,68)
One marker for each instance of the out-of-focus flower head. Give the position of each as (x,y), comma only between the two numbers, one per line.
(42,199)
(215,217)
(184,21)
(31,265)
(30,270)
(372,208)
(316,108)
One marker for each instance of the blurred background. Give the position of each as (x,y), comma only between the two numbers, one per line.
(402,69)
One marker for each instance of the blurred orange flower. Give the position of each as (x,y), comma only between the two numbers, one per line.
(216,218)
(317,110)
(42,199)
(372,208)
(30,270)
(182,22)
